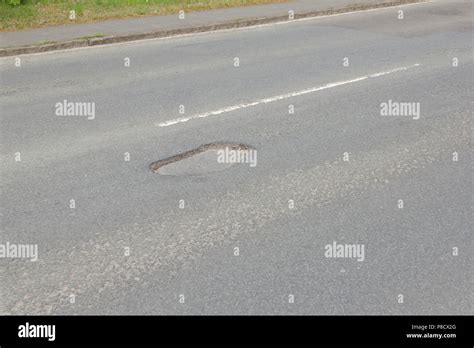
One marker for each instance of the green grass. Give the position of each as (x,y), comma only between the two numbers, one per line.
(40,13)
(97,35)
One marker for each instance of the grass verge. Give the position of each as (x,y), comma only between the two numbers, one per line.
(28,14)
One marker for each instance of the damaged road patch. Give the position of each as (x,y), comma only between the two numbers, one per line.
(208,158)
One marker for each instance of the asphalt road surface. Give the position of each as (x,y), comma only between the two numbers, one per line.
(334,171)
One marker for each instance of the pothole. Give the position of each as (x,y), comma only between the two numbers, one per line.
(208,158)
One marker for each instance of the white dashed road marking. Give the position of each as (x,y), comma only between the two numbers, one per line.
(280,97)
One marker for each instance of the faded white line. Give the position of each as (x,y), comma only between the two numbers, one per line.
(280,97)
